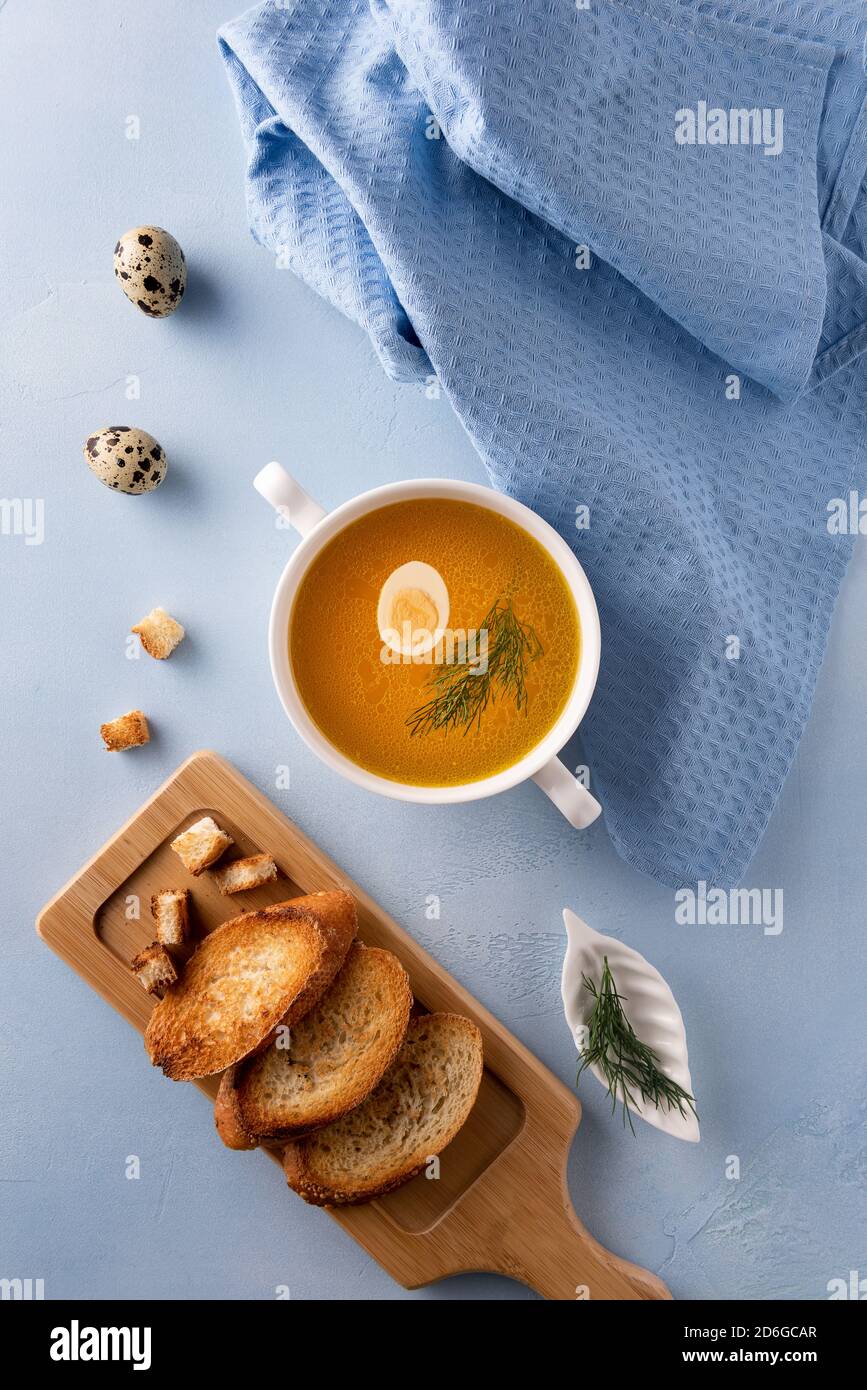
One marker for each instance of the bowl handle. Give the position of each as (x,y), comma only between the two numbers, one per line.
(288,498)
(578,806)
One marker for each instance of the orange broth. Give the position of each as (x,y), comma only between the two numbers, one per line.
(361,705)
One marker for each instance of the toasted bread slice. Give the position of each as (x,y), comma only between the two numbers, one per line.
(227,1114)
(154,968)
(201,845)
(415,1111)
(334,1056)
(256,971)
(242,875)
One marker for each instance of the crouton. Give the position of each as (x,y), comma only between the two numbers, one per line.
(129,731)
(159,633)
(243,874)
(201,845)
(154,968)
(171,912)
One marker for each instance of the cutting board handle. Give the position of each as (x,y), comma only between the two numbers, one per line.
(559,1258)
(518,1220)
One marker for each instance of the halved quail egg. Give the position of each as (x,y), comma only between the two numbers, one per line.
(413,609)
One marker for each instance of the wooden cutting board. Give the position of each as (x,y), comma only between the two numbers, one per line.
(501,1202)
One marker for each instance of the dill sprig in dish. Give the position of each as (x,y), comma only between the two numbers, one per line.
(628,1065)
(461,694)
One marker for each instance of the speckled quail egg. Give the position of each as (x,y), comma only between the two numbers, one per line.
(151,270)
(126,459)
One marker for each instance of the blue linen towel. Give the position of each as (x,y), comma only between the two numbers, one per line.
(433,168)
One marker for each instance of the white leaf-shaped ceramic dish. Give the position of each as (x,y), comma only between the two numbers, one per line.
(649,1005)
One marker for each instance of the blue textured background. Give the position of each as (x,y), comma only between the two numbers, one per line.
(255,367)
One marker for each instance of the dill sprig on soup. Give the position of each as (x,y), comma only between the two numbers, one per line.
(462,690)
(369,668)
